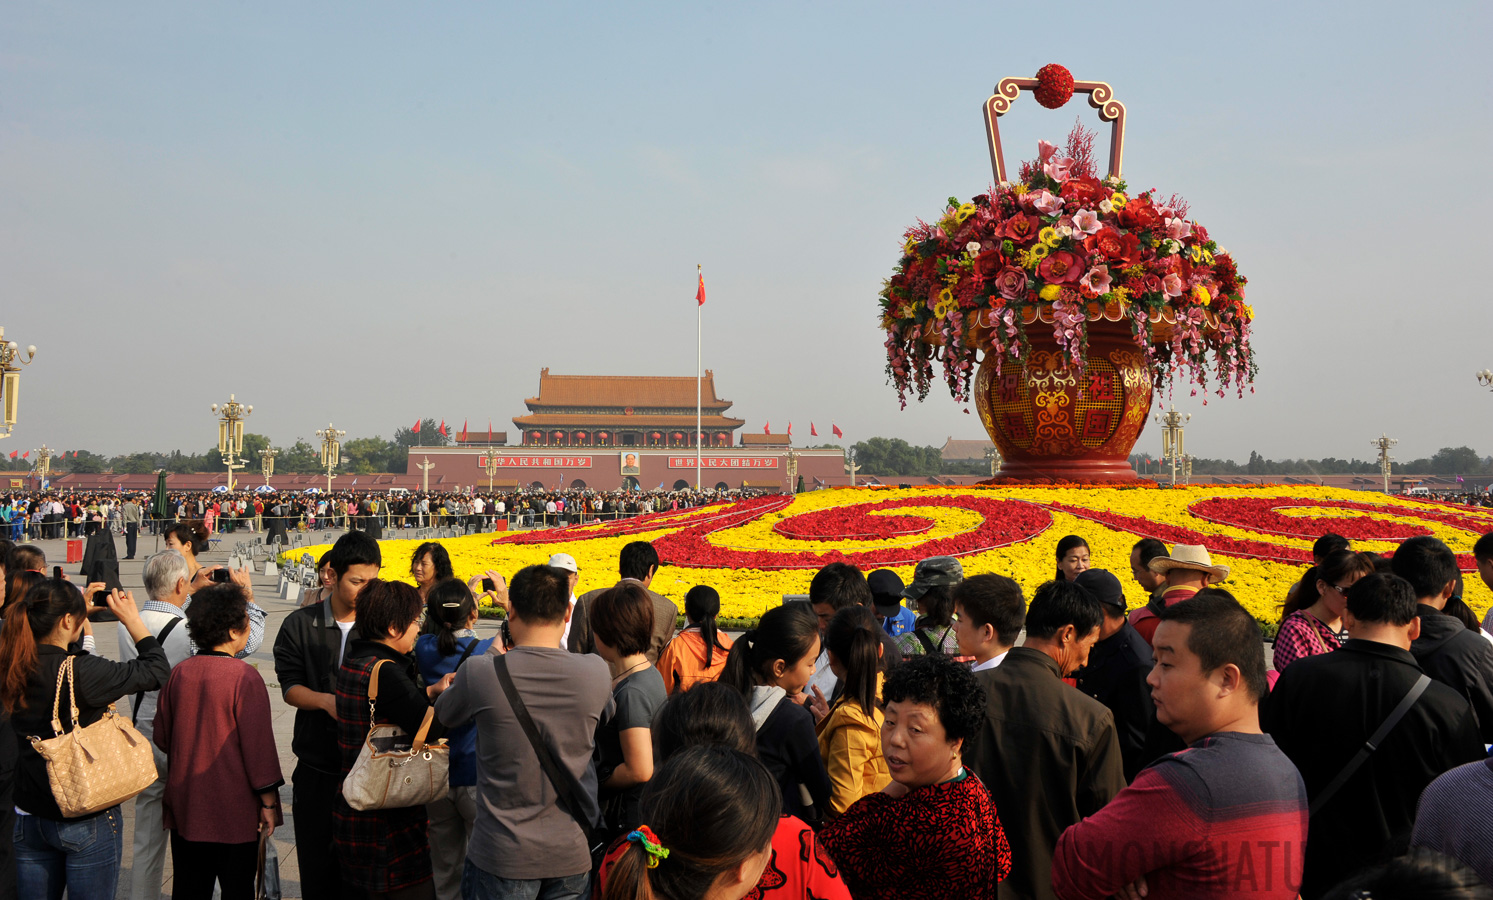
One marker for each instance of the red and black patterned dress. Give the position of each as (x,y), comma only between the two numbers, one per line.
(939,842)
(379,850)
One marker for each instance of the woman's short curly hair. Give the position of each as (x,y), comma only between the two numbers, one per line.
(215,611)
(947,686)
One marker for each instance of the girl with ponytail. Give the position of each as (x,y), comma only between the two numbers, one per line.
(771,664)
(39,633)
(710,814)
(850,732)
(698,653)
(451,614)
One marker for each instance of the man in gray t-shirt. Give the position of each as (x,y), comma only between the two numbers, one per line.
(522,834)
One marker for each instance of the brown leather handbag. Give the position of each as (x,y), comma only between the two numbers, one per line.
(93,768)
(394,770)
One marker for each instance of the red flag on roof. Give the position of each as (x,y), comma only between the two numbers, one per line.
(836,429)
(442,429)
(767,428)
(463,437)
(700,292)
(26,455)
(14,454)
(790,429)
(489,431)
(416,429)
(812,432)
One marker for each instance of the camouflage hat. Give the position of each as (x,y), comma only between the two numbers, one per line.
(932,572)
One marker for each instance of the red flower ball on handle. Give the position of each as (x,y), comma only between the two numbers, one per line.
(1054,86)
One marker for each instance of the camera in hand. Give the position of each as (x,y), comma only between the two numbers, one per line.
(220,576)
(487,585)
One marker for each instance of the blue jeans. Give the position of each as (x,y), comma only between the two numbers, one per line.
(81,855)
(479,884)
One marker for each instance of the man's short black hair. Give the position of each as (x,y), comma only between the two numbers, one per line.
(1060,603)
(355,548)
(636,561)
(993,600)
(839,585)
(1426,563)
(1328,543)
(1150,548)
(1223,632)
(541,594)
(25,558)
(1483,549)
(1382,598)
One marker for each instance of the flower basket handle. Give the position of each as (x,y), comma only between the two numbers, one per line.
(1101,97)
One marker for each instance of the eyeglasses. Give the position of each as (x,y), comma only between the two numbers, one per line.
(1341,588)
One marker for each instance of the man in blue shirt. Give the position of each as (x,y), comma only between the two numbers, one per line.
(886,593)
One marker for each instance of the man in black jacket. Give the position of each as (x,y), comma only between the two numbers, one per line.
(1047,753)
(1117,669)
(308,652)
(1447,650)
(1325,707)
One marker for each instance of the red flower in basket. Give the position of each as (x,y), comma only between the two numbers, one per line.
(1021,228)
(1140,215)
(1087,191)
(1113,246)
(1061,267)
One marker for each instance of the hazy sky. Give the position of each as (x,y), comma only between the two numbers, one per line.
(370,212)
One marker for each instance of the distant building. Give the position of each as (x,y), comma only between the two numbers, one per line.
(965,451)
(624,411)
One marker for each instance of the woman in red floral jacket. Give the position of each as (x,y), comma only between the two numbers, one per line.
(932,834)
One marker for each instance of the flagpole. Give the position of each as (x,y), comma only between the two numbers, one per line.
(699,369)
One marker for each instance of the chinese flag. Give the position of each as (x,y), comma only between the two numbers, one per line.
(812,432)
(463,437)
(700,291)
(767,428)
(489,431)
(442,429)
(836,429)
(26,455)
(790,429)
(14,454)
(416,429)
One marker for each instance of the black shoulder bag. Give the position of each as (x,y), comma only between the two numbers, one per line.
(161,639)
(1372,744)
(566,786)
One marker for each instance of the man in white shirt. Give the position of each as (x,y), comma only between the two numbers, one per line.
(166,582)
(989,612)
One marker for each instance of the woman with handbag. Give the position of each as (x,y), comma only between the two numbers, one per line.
(38,672)
(384,851)
(223,783)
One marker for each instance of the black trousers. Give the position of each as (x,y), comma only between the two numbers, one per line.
(313,797)
(131,534)
(196,865)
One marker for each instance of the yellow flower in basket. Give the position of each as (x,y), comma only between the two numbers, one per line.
(1048,235)
(1118,200)
(964,212)
(1038,253)
(1050,292)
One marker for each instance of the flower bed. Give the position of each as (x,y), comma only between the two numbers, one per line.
(756,551)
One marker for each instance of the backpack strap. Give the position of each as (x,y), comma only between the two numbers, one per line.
(1372,744)
(564,783)
(140,697)
(923,639)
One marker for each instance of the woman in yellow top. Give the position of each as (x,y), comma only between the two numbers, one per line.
(850,730)
(698,653)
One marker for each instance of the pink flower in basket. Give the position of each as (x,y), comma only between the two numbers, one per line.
(1060,169)
(1171,285)
(1061,267)
(1011,283)
(1096,281)
(1178,229)
(1045,151)
(1087,221)
(1046,203)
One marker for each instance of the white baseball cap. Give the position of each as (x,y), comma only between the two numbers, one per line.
(564,561)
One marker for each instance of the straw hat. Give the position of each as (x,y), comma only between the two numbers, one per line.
(1189,556)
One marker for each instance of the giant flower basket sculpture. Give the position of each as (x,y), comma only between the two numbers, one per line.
(1061,301)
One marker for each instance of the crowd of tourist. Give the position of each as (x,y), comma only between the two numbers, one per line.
(50,515)
(951,737)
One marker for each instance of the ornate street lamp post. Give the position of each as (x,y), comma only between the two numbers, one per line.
(993,456)
(1171,439)
(10,381)
(1384,443)
(490,463)
(850,464)
(43,464)
(331,451)
(267,464)
(792,468)
(231,417)
(1485,378)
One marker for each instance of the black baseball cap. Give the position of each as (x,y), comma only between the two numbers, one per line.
(1102,586)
